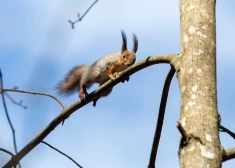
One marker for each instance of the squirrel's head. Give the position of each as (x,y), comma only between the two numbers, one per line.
(128,57)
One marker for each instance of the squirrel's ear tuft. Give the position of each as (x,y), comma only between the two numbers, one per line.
(124,41)
(135,43)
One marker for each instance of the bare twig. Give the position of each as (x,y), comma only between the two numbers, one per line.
(80,18)
(6,151)
(228,154)
(62,153)
(35,93)
(161,114)
(15,102)
(8,118)
(223,129)
(172,59)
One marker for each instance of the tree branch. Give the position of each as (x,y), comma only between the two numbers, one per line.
(228,154)
(169,59)
(80,19)
(62,153)
(161,114)
(34,93)
(223,129)
(8,117)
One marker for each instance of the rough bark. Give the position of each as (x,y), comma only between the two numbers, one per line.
(197,80)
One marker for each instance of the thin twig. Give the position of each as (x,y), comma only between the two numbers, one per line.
(223,129)
(228,154)
(8,117)
(161,114)
(80,19)
(182,132)
(15,102)
(167,59)
(6,151)
(62,153)
(35,93)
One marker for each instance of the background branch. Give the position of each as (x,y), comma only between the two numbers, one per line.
(68,111)
(35,93)
(161,114)
(8,118)
(80,19)
(229,154)
(61,153)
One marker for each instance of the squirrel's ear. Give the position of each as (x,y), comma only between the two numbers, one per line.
(124,41)
(135,43)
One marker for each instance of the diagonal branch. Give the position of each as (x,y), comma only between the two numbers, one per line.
(172,59)
(161,114)
(228,154)
(8,117)
(223,129)
(80,19)
(35,93)
(62,153)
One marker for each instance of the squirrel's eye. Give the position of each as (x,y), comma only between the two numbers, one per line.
(124,56)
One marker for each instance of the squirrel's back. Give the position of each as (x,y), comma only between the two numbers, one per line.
(110,58)
(97,72)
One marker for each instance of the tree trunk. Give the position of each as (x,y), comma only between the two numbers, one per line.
(197,80)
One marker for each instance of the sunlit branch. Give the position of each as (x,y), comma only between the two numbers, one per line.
(35,93)
(167,59)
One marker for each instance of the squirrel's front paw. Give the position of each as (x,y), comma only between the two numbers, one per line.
(115,74)
(112,76)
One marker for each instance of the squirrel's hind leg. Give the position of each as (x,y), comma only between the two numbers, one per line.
(82,92)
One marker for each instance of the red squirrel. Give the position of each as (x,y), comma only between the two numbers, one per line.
(83,76)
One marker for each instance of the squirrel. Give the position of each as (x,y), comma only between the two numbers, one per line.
(83,76)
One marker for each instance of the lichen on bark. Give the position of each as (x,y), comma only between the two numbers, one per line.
(197,80)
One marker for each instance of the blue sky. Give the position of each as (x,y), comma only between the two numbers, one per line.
(38,47)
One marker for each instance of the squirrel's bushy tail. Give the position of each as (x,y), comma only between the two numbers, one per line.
(72,80)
